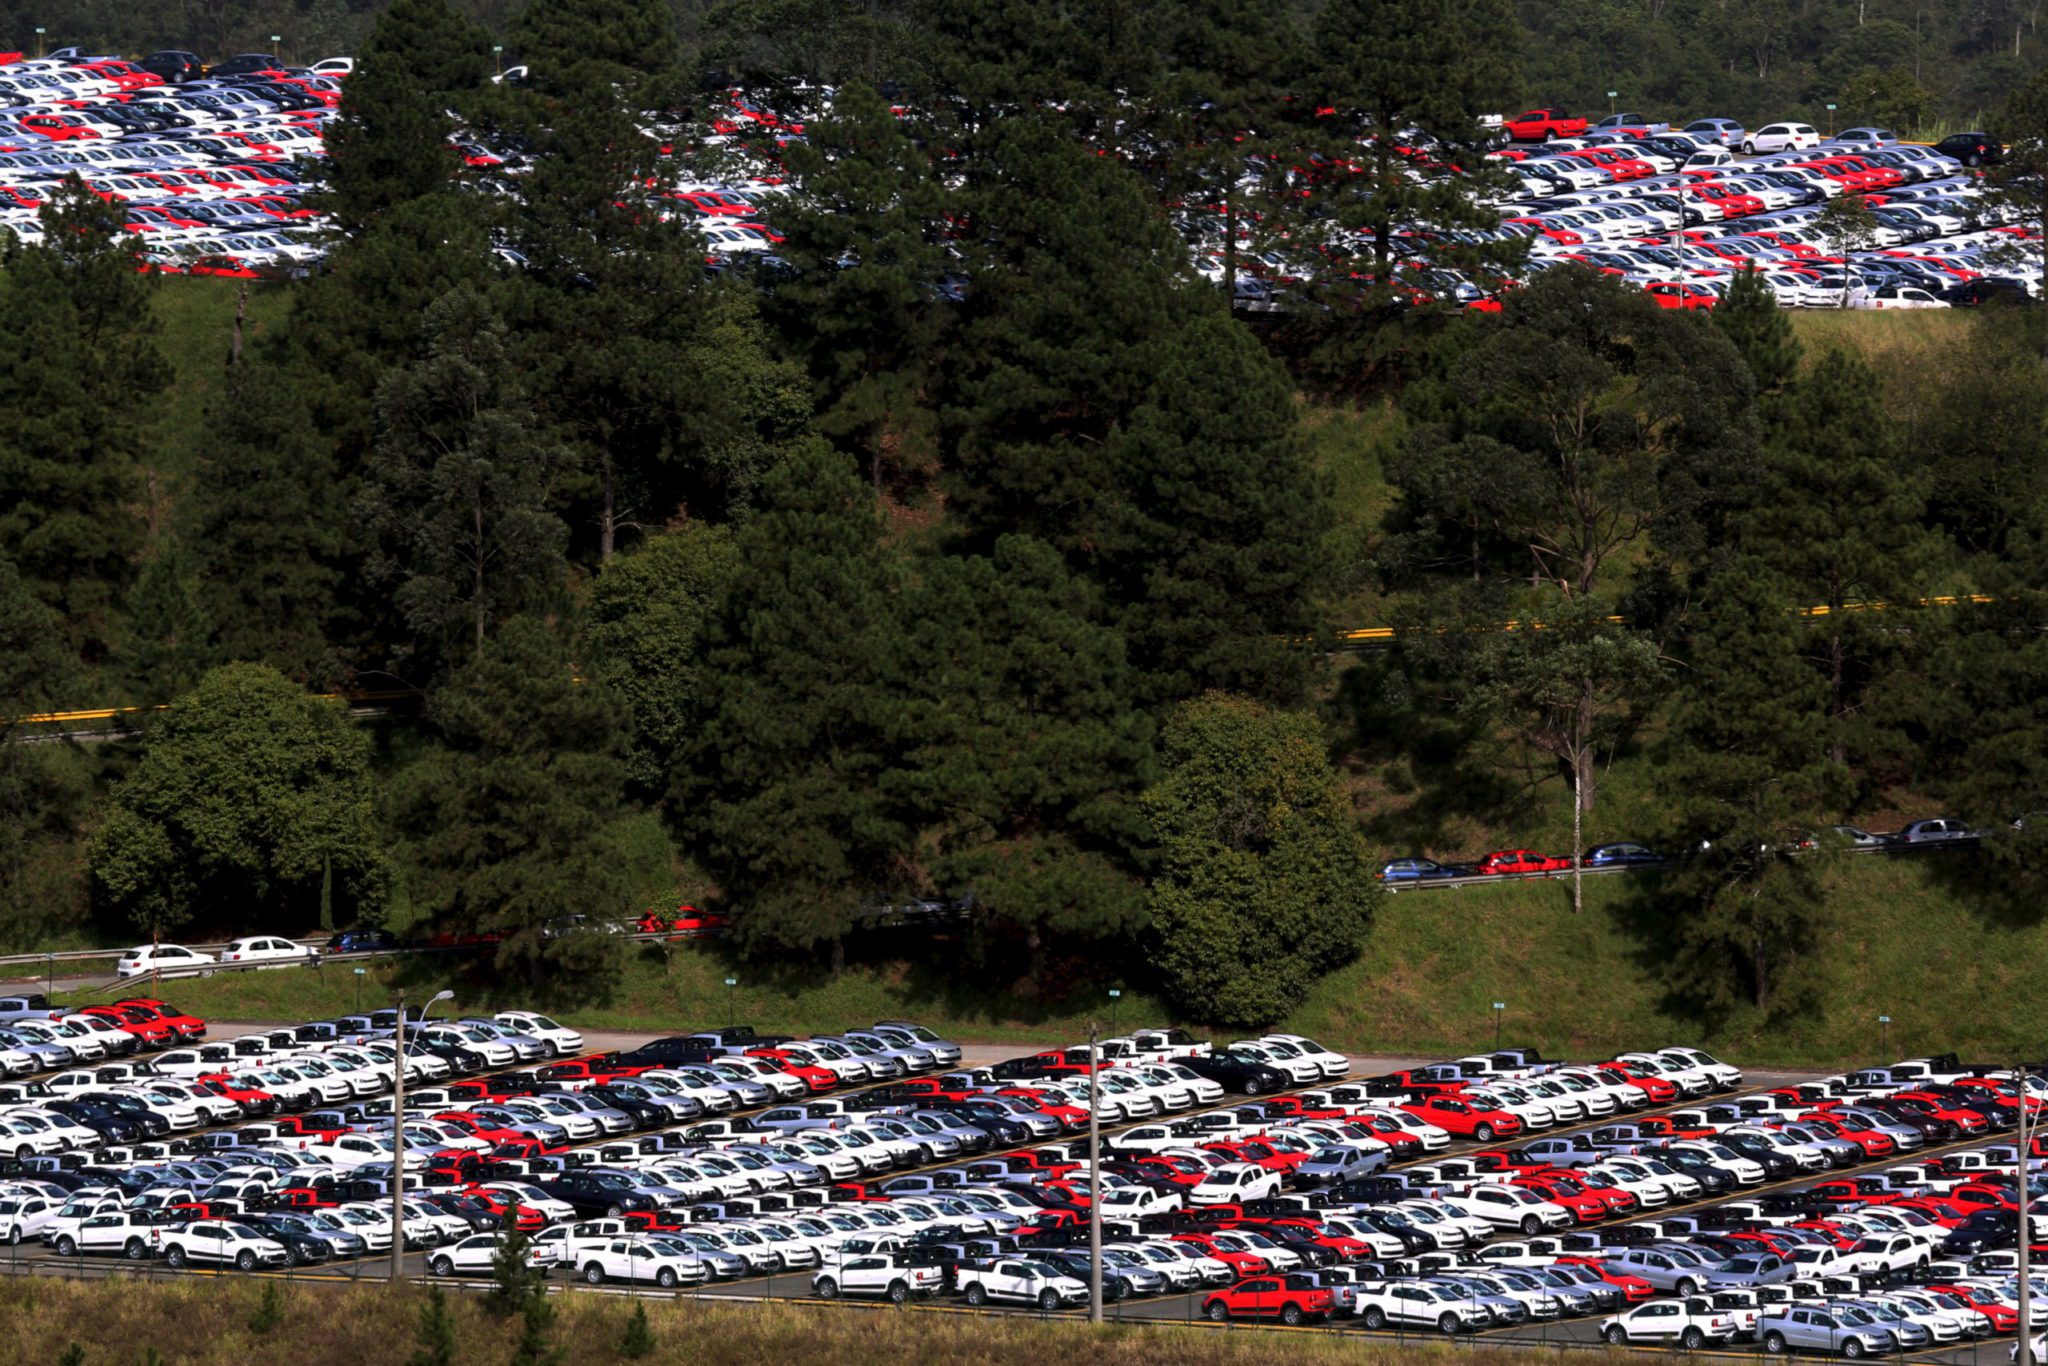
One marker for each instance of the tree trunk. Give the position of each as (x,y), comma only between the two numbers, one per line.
(477,582)
(1838,750)
(1759,976)
(1578,847)
(607,524)
(1230,242)
(838,957)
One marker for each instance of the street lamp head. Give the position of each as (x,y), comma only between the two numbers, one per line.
(361,972)
(1115,995)
(732,981)
(441,996)
(1500,1005)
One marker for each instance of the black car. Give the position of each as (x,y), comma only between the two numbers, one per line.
(1774,1163)
(304,1247)
(173,65)
(362,941)
(1986,292)
(1714,1179)
(1972,149)
(110,1124)
(245,64)
(1981,1232)
(595,1193)
(1236,1072)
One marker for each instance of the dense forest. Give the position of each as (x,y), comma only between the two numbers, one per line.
(1924,65)
(982,553)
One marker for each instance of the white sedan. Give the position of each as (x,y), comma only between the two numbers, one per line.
(267,949)
(166,959)
(563,1040)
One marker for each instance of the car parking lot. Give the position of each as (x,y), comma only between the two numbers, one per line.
(1637,1198)
(217,169)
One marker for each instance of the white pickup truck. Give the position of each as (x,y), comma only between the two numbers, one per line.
(640,1259)
(1020,1282)
(882,1274)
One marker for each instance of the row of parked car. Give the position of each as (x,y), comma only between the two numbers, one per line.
(1936,830)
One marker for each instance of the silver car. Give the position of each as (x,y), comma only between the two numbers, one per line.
(1829,1328)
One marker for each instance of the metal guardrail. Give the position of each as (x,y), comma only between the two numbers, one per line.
(1559,874)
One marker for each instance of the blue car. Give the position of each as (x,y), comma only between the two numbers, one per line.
(1619,856)
(1415,870)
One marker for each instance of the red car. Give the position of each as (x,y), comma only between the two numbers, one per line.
(1522,861)
(1243,1263)
(816,1078)
(153,1032)
(187,1026)
(1585,1206)
(1541,125)
(1632,1288)
(1681,296)
(1660,1091)
(1292,1299)
(1465,1118)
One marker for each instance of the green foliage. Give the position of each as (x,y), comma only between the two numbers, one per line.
(269,1314)
(248,790)
(1749,316)
(651,610)
(80,368)
(1023,746)
(389,143)
(1744,782)
(458,490)
(164,644)
(73,1355)
(637,1342)
(434,1332)
(1264,881)
(536,1345)
(515,1285)
(1889,97)
(779,794)
(511,820)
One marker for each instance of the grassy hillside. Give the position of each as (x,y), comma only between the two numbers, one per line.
(1907,938)
(205,1321)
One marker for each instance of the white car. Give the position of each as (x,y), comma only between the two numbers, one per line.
(1233,1183)
(638,1259)
(1672,1322)
(1511,1207)
(1334,1064)
(473,1255)
(268,949)
(1781,137)
(565,1041)
(166,959)
(215,1242)
(22,1216)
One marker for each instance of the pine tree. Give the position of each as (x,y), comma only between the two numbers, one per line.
(36,672)
(73,1355)
(81,365)
(510,820)
(435,1331)
(515,1283)
(536,1345)
(1023,746)
(268,530)
(1210,540)
(779,795)
(389,143)
(163,646)
(269,1314)
(1746,781)
(1838,520)
(1750,317)
(457,493)
(1264,882)
(637,1342)
(864,304)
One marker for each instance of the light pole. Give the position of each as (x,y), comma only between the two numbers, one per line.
(277,45)
(1498,1007)
(498,50)
(1610,100)
(360,974)
(1094,1185)
(1884,1037)
(1114,996)
(731,1018)
(2025,1197)
(398,1135)
(1831,120)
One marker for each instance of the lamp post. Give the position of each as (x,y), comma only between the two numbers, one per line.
(1114,996)
(1831,120)
(360,974)
(39,42)
(1094,1185)
(277,45)
(1884,1037)
(398,1135)
(731,1018)
(2025,1198)
(1498,1007)
(498,51)
(1610,100)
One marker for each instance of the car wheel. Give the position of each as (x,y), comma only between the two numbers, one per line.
(615,1211)
(175,1258)
(1048,1300)
(1853,1348)
(135,1251)
(1119,1289)
(594,1274)
(1447,1325)
(246,1261)
(899,1292)
(14,1234)
(1692,1339)
(665,1278)
(1252,1086)
(1483,1133)
(1614,1335)
(828,1289)
(1531,1225)
(1774,1343)
(1973,160)
(1749,149)
(1291,1315)
(1375,1318)
(976,1296)
(441,1266)
(1217,1311)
